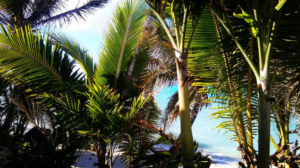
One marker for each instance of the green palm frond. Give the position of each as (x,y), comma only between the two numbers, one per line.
(78,53)
(137,104)
(205,59)
(104,106)
(131,141)
(236,73)
(66,111)
(122,38)
(174,10)
(162,67)
(47,67)
(32,109)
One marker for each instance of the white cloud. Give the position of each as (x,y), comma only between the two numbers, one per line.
(95,23)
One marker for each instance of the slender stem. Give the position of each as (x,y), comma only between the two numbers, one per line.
(274,143)
(183,93)
(184,109)
(183,30)
(287,122)
(280,4)
(260,35)
(163,23)
(177,25)
(264,128)
(287,128)
(272,39)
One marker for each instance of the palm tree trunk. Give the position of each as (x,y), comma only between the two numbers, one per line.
(100,151)
(184,109)
(264,125)
(102,154)
(98,155)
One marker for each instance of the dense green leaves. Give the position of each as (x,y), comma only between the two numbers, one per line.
(47,65)
(78,53)
(205,58)
(122,38)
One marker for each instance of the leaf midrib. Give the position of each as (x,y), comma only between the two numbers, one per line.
(32,58)
(123,48)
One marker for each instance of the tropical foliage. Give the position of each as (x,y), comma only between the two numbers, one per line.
(259,49)
(241,55)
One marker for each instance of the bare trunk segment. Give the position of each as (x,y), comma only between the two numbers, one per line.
(184,109)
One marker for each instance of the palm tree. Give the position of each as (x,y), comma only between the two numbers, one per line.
(163,72)
(268,34)
(203,69)
(67,93)
(43,12)
(185,16)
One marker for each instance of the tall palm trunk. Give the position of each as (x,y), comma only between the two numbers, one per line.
(181,13)
(265,35)
(264,126)
(184,109)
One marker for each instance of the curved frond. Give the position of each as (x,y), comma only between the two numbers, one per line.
(205,59)
(78,53)
(29,59)
(122,38)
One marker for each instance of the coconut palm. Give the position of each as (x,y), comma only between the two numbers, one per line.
(163,72)
(185,17)
(269,43)
(203,69)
